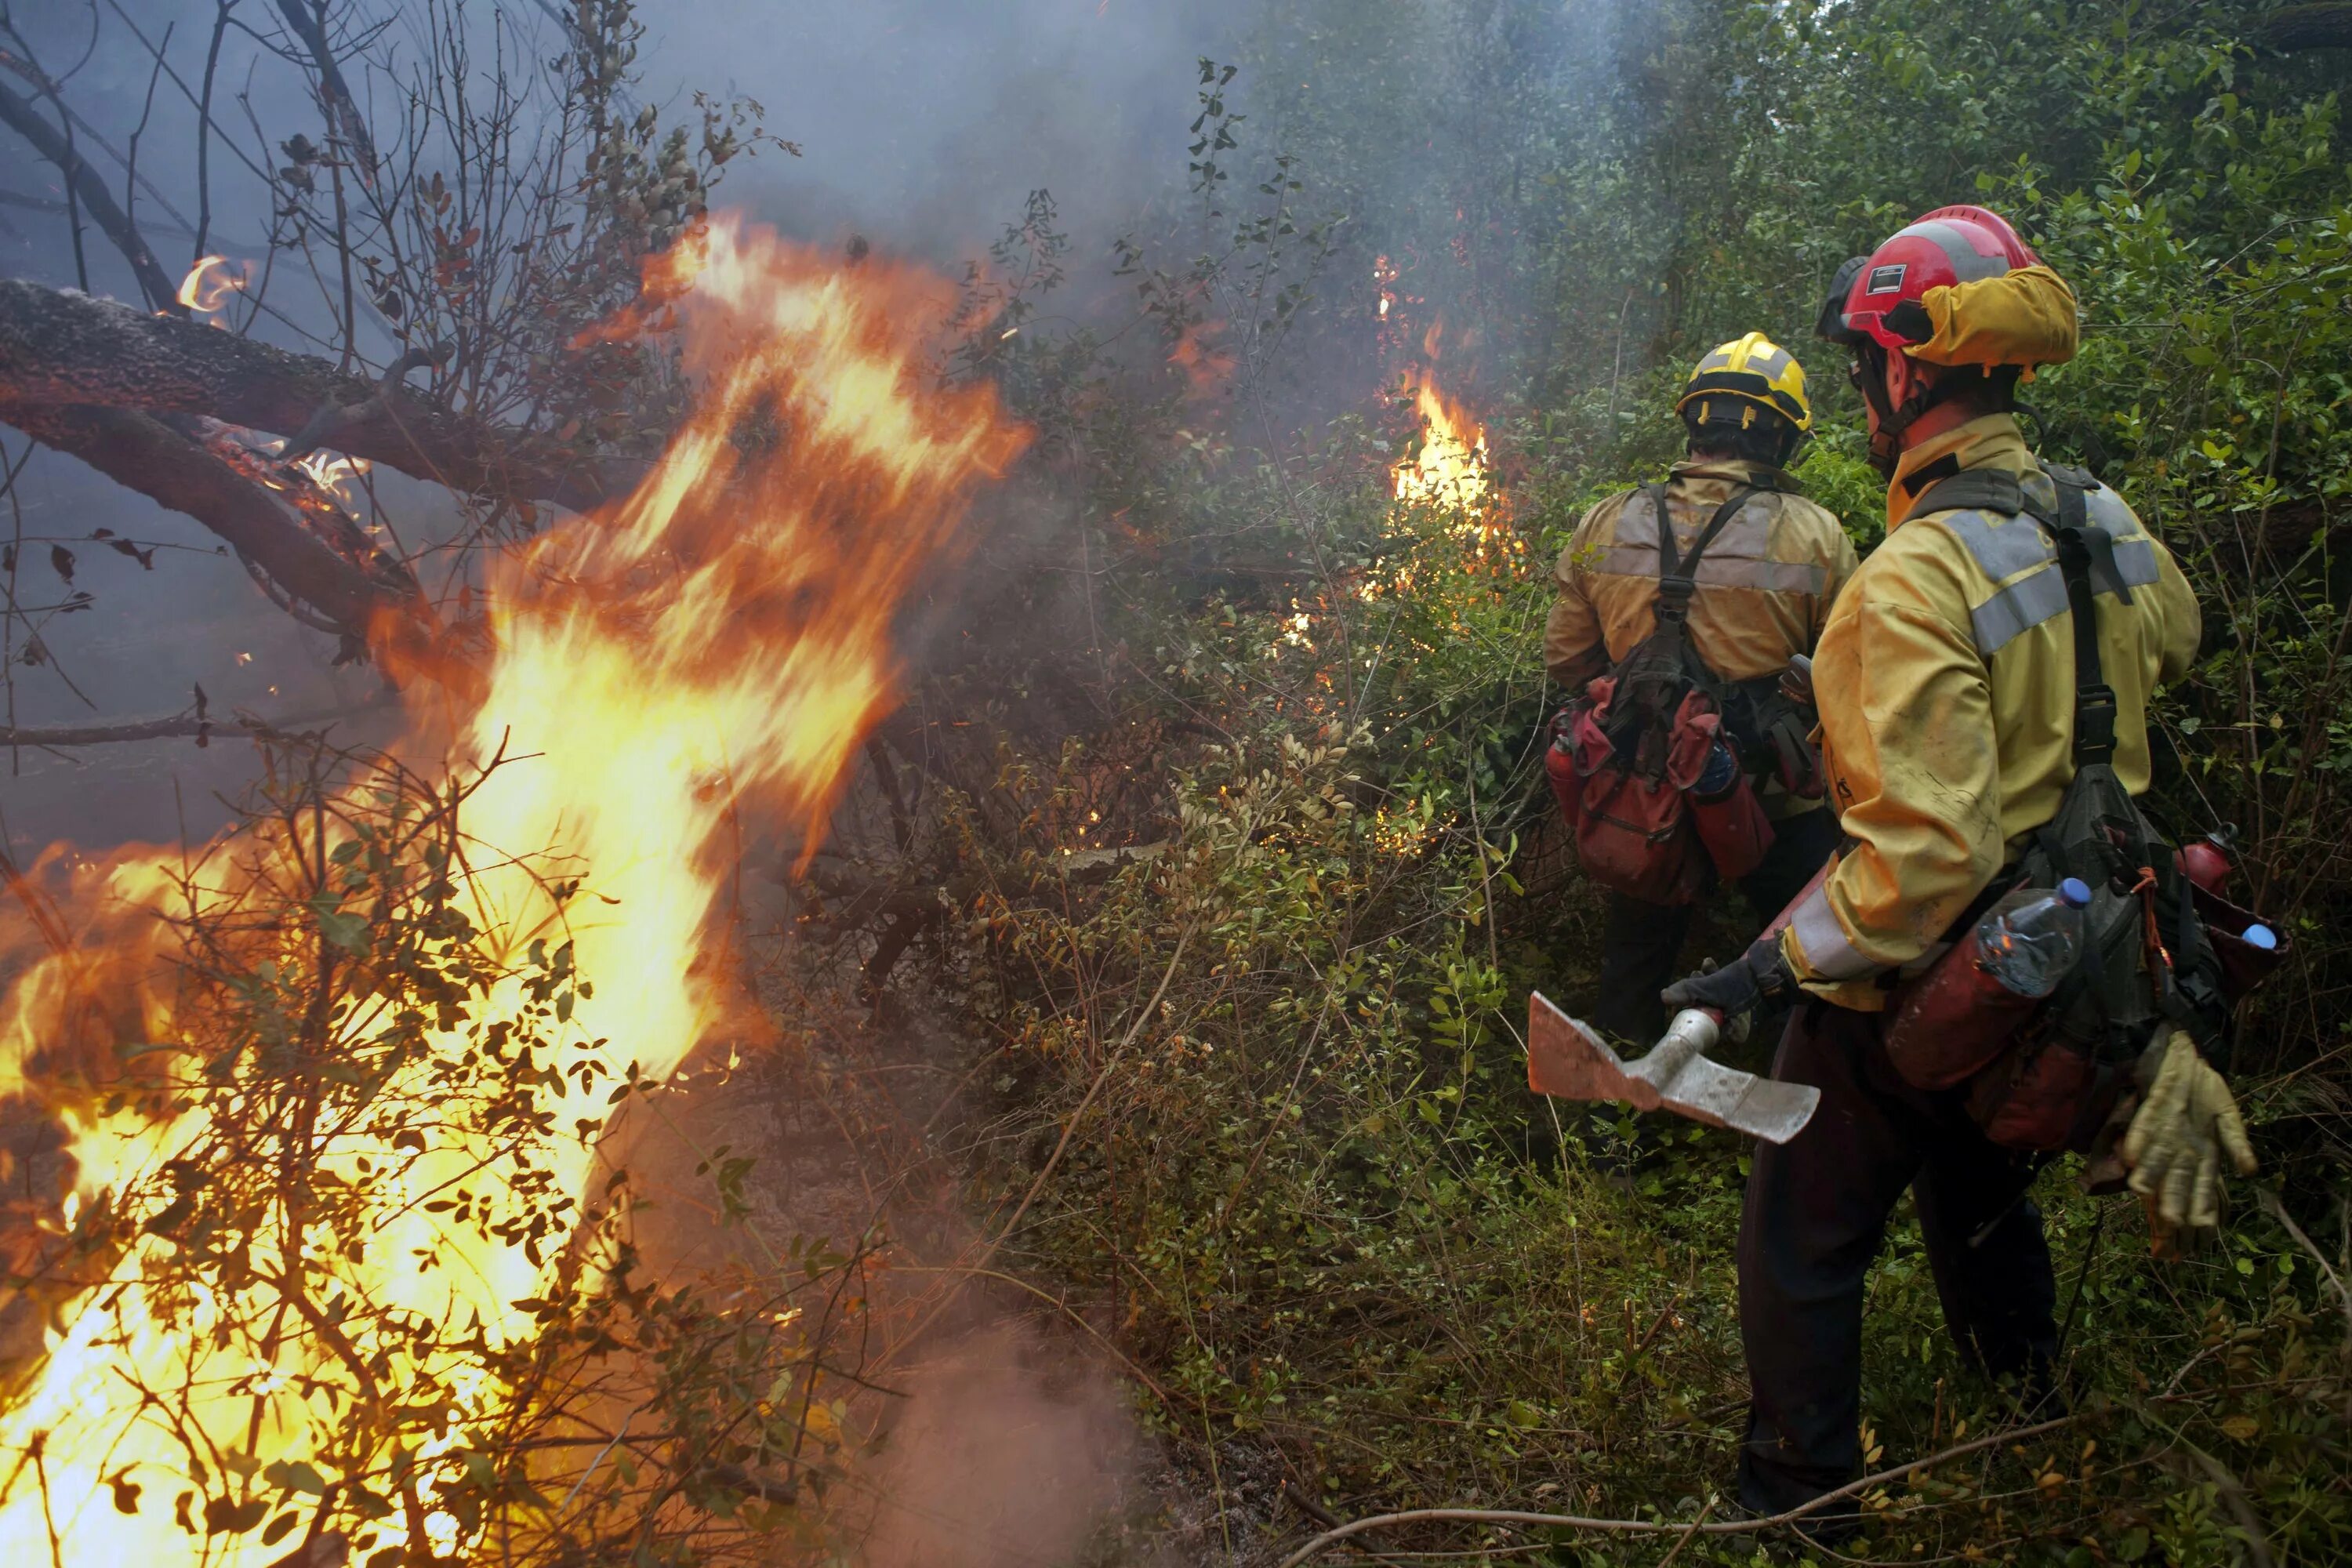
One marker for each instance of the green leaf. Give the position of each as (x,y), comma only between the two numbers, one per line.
(345,929)
(295,1475)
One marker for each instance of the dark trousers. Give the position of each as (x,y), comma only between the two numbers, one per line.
(1640,951)
(1817,1209)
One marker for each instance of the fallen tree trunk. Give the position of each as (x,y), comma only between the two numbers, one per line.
(60,346)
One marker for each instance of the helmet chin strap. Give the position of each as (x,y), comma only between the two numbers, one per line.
(1887,441)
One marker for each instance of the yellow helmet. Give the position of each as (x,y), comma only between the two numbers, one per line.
(1754,371)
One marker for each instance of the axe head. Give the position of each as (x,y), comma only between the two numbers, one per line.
(1567,1059)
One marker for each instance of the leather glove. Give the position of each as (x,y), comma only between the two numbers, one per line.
(2176,1144)
(1737,989)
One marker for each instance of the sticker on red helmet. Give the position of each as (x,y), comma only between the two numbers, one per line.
(1887,279)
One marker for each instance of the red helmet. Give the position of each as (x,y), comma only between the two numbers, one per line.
(1877,297)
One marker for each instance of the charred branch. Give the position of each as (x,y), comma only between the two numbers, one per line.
(326,427)
(148,455)
(18,113)
(62,347)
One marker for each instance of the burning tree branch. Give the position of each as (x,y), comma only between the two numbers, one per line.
(145,455)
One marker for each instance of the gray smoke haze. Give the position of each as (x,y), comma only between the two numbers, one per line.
(923,124)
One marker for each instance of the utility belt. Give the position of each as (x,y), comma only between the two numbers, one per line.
(1654,767)
(2158,949)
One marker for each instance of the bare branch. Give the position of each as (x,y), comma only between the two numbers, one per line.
(179,726)
(21,117)
(342,111)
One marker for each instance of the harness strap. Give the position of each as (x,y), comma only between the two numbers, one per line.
(2084,553)
(1973,489)
(1678,573)
(2095,699)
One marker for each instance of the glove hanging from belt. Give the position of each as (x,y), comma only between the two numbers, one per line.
(2176,1143)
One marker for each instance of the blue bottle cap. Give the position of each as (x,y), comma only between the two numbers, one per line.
(2076,892)
(2260,936)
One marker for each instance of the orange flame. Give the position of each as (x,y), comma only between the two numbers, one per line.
(720,639)
(1205,364)
(1451,467)
(211,283)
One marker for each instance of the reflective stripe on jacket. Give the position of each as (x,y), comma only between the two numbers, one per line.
(1945,685)
(1764,585)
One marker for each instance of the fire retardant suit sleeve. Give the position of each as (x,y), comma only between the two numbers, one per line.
(1913,765)
(1575,649)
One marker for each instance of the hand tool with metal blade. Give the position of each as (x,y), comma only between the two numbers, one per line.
(1566,1059)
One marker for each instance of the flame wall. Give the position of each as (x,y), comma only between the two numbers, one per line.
(723,638)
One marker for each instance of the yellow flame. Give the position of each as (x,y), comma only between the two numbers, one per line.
(719,640)
(211,282)
(335,474)
(1450,468)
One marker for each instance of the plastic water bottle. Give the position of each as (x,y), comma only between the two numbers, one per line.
(2030,947)
(1968,1008)
(2260,936)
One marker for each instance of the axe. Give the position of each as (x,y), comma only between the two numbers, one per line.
(1566,1059)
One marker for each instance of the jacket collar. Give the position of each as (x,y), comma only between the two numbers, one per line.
(1988,441)
(1761,476)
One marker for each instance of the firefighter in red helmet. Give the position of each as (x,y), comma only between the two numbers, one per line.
(1984,674)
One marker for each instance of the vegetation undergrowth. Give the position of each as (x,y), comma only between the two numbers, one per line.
(1270,1115)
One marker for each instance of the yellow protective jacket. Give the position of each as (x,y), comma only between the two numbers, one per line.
(1945,686)
(1764,585)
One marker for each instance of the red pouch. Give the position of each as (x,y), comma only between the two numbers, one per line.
(1730,823)
(2243,965)
(1955,1021)
(1588,742)
(1635,837)
(1632,835)
(2044,1098)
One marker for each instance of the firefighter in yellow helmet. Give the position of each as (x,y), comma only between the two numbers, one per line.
(1758,594)
(1966,710)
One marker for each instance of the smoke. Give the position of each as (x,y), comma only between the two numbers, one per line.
(1008,1453)
(924,123)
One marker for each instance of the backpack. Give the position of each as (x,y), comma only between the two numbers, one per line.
(1630,759)
(2157,949)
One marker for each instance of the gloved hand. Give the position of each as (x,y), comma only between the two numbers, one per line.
(2176,1143)
(1736,989)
